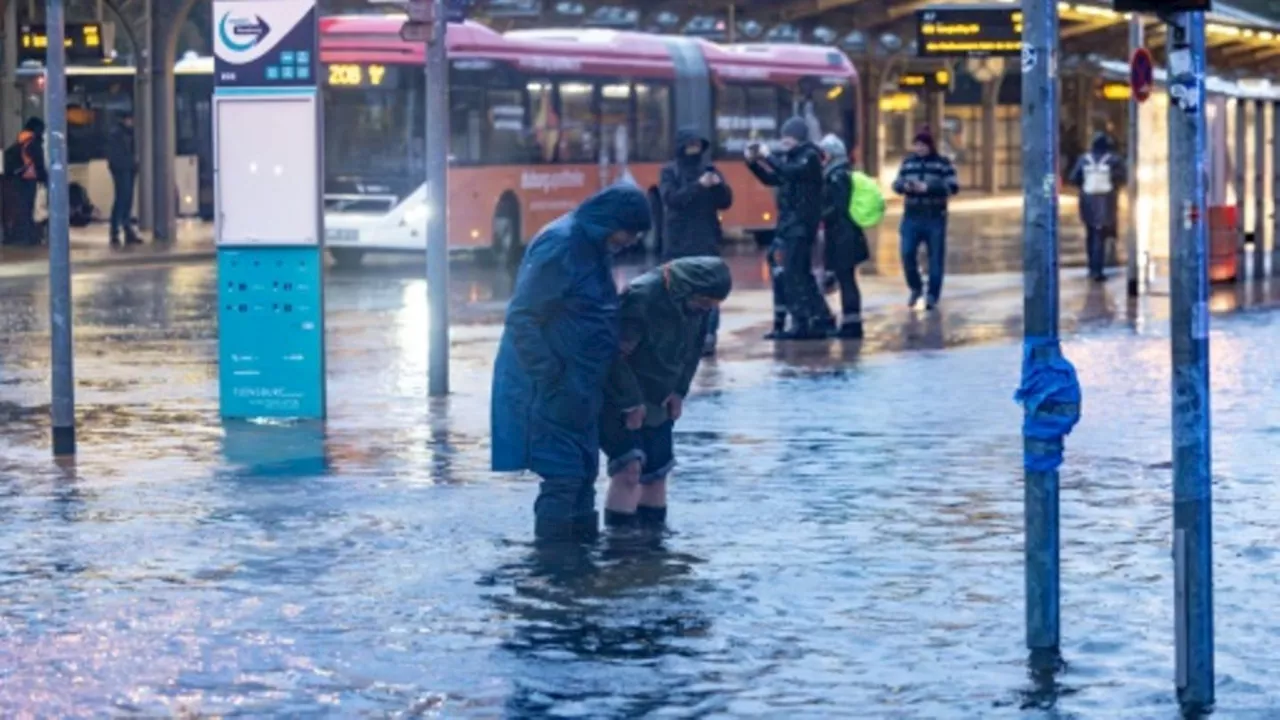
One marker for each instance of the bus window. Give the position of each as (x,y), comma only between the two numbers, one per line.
(615,122)
(578,123)
(546,122)
(508,128)
(376,132)
(466,111)
(832,108)
(653,123)
(747,114)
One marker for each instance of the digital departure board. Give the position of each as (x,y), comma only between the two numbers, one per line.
(957,31)
(361,75)
(938,81)
(1162,6)
(83,43)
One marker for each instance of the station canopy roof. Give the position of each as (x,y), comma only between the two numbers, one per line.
(1243,37)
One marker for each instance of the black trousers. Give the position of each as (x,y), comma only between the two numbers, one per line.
(850,295)
(795,290)
(122,208)
(25,231)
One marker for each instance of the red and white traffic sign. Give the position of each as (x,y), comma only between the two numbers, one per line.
(1142,74)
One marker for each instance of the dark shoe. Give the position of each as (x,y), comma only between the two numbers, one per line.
(115,241)
(850,331)
(1098,277)
(914,300)
(931,304)
(132,239)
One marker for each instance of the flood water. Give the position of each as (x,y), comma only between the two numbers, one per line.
(846,534)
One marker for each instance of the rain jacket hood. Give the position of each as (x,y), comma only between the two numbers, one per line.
(618,207)
(689,277)
(686,136)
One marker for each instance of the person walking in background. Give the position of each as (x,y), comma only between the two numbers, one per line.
(24,167)
(122,161)
(797,173)
(694,194)
(558,343)
(926,181)
(1099,173)
(846,243)
(662,318)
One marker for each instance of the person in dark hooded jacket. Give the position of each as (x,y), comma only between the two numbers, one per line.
(694,194)
(846,244)
(662,316)
(25,171)
(1099,173)
(797,173)
(558,343)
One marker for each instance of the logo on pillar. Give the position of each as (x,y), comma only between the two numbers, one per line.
(252,31)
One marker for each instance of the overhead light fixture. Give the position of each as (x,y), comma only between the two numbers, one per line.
(784,33)
(854,42)
(667,19)
(572,9)
(824,35)
(750,29)
(891,42)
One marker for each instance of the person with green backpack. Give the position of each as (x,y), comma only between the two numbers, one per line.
(851,203)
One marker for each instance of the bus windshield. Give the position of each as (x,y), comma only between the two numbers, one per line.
(374,134)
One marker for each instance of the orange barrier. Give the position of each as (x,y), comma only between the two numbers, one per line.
(1224,239)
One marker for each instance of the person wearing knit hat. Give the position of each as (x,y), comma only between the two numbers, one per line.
(846,244)
(926,181)
(796,171)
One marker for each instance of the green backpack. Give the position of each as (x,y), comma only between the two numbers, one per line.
(866,202)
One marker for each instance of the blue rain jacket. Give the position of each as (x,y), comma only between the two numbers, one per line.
(560,338)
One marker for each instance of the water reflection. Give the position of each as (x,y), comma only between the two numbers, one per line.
(629,605)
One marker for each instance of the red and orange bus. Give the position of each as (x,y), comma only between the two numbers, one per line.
(540,119)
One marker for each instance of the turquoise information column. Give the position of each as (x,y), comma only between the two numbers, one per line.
(268,188)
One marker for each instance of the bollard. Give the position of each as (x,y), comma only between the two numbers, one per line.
(437,149)
(55,88)
(1189,332)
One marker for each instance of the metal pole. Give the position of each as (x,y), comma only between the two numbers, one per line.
(1189,330)
(1259,155)
(1134,270)
(1040,270)
(1275,188)
(437,97)
(64,403)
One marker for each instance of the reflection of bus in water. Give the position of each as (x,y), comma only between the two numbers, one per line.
(96,97)
(540,119)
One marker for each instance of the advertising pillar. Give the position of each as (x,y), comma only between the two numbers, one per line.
(269,214)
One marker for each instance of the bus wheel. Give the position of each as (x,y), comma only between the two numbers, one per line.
(652,240)
(346,257)
(507,247)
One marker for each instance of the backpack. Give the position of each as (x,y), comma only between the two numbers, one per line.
(1097,175)
(866,202)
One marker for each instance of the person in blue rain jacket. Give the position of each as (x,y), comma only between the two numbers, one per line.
(558,343)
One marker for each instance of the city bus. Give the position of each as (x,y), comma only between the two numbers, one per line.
(96,97)
(540,119)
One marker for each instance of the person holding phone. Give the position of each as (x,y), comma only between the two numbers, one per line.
(926,180)
(796,171)
(693,195)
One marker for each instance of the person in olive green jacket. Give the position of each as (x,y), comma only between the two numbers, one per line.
(662,318)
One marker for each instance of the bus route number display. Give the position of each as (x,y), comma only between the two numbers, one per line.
(360,75)
(967,32)
(83,43)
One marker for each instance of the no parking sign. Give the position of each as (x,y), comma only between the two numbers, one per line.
(1142,74)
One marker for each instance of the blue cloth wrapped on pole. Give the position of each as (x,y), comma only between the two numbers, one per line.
(1050,397)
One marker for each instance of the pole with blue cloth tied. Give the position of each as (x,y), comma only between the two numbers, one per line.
(1050,391)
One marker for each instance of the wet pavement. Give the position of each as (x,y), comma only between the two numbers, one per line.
(846,521)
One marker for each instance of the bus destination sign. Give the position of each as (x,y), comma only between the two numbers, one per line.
(361,75)
(936,81)
(83,43)
(977,31)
